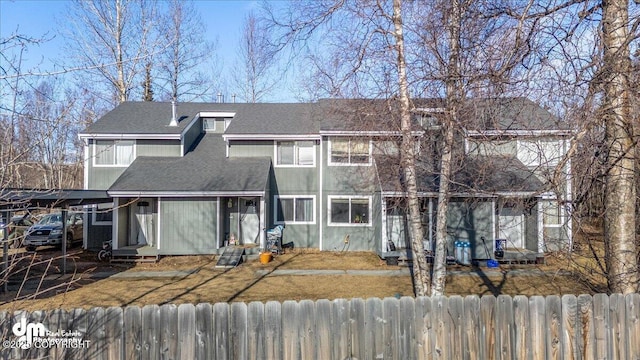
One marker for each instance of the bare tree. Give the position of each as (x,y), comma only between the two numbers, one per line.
(106,41)
(620,214)
(254,77)
(180,64)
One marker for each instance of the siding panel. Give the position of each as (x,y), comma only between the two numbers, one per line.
(188,226)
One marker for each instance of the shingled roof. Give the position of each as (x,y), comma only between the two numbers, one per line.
(325,115)
(202,170)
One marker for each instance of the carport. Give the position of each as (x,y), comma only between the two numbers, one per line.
(12,200)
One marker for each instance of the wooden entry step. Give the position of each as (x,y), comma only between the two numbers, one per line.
(135,258)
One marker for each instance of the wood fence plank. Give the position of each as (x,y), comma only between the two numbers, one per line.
(406,345)
(204,331)
(221,331)
(307,329)
(78,322)
(424,350)
(505,327)
(632,327)
(585,342)
(114,333)
(570,332)
(168,331)
(133,332)
(186,331)
(538,318)
(238,329)
(340,326)
(273,330)
(617,317)
(391,314)
(522,328)
(290,339)
(324,336)
(38,352)
(472,329)
(151,335)
(488,348)
(440,323)
(96,332)
(374,330)
(58,319)
(601,326)
(255,328)
(456,330)
(5,333)
(357,325)
(554,327)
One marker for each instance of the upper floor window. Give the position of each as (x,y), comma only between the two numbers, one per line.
(114,152)
(540,152)
(347,151)
(295,153)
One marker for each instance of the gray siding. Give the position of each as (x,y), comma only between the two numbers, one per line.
(188,226)
(469,221)
(493,147)
(361,238)
(192,134)
(158,148)
(251,148)
(103,177)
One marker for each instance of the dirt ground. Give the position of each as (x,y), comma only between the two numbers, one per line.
(202,282)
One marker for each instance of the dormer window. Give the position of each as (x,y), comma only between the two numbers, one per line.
(427,117)
(209,124)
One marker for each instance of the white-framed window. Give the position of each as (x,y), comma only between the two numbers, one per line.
(552,214)
(350,210)
(349,151)
(102,214)
(113,152)
(294,209)
(540,152)
(295,153)
(208,124)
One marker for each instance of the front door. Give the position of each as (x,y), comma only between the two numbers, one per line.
(249,220)
(511,226)
(142,229)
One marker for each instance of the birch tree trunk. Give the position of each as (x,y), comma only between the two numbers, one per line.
(408,161)
(449,121)
(620,215)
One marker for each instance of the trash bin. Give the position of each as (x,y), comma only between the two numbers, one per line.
(462,252)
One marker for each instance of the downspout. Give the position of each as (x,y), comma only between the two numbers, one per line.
(320,195)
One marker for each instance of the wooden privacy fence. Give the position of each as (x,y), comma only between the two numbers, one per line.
(503,327)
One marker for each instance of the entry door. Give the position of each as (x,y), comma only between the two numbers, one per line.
(142,229)
(249,220)
(511,226)
(396,228)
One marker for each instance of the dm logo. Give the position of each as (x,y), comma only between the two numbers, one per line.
(27,332)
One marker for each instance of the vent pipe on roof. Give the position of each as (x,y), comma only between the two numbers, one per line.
(233,97)
(220,97)
(174,120)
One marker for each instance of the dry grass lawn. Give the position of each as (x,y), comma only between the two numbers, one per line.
(245,283)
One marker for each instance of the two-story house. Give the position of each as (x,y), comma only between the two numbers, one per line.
(194,178)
